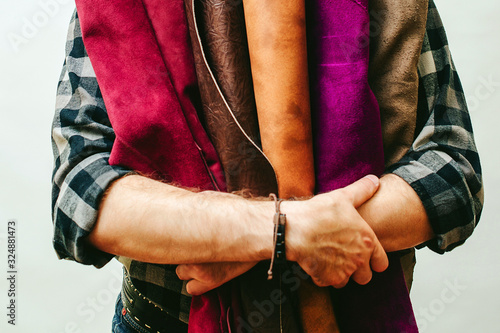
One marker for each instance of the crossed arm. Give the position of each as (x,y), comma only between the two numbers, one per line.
(218,236)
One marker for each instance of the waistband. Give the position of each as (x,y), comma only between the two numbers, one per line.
(145,313)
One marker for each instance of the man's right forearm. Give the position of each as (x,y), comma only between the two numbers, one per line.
(150,221)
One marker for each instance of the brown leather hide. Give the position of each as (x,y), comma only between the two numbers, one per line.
(397,31)
(230,121)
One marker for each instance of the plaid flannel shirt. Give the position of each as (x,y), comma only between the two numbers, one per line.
(442,165)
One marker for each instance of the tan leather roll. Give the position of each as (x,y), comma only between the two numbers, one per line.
(397,31)
(219,41)
(276,33)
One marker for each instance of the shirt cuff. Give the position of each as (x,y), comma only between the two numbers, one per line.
(76,209)
(443,190)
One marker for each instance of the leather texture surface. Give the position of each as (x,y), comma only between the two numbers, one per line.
(348,145)
(170,120)
(396,35)
(223,67)
(231,122)
(278,54)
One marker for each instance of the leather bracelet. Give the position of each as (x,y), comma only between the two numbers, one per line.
(279,254)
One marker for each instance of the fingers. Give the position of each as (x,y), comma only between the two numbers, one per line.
(353,248)
(184,272)
(363,275)
(379,261)
(340,285)
(205,277)
(201,278)
(195,288)
(363,189)
(359,268)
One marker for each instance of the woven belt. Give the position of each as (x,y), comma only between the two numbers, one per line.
(145,313)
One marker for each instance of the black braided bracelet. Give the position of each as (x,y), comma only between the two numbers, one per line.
(279,255)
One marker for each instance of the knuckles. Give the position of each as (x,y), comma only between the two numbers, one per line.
(363,278)
(320,283)
(359,261)
(340,285)
(363,281)
(368,242)
(180,272)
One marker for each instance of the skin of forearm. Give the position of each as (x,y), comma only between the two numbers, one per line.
(393,212)
(397,215)
(154,222)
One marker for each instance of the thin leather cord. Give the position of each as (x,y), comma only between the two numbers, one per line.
(277,202)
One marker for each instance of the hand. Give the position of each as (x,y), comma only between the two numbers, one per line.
(330,240)
(205,277)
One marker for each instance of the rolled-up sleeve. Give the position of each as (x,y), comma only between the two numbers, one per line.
(82,138)
(443,165)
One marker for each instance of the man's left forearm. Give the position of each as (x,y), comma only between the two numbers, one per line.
(397,215)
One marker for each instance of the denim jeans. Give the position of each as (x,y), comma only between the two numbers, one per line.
(123,323)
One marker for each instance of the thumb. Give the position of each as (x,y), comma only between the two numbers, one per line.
(363,189)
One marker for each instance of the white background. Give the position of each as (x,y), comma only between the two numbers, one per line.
(457,292)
